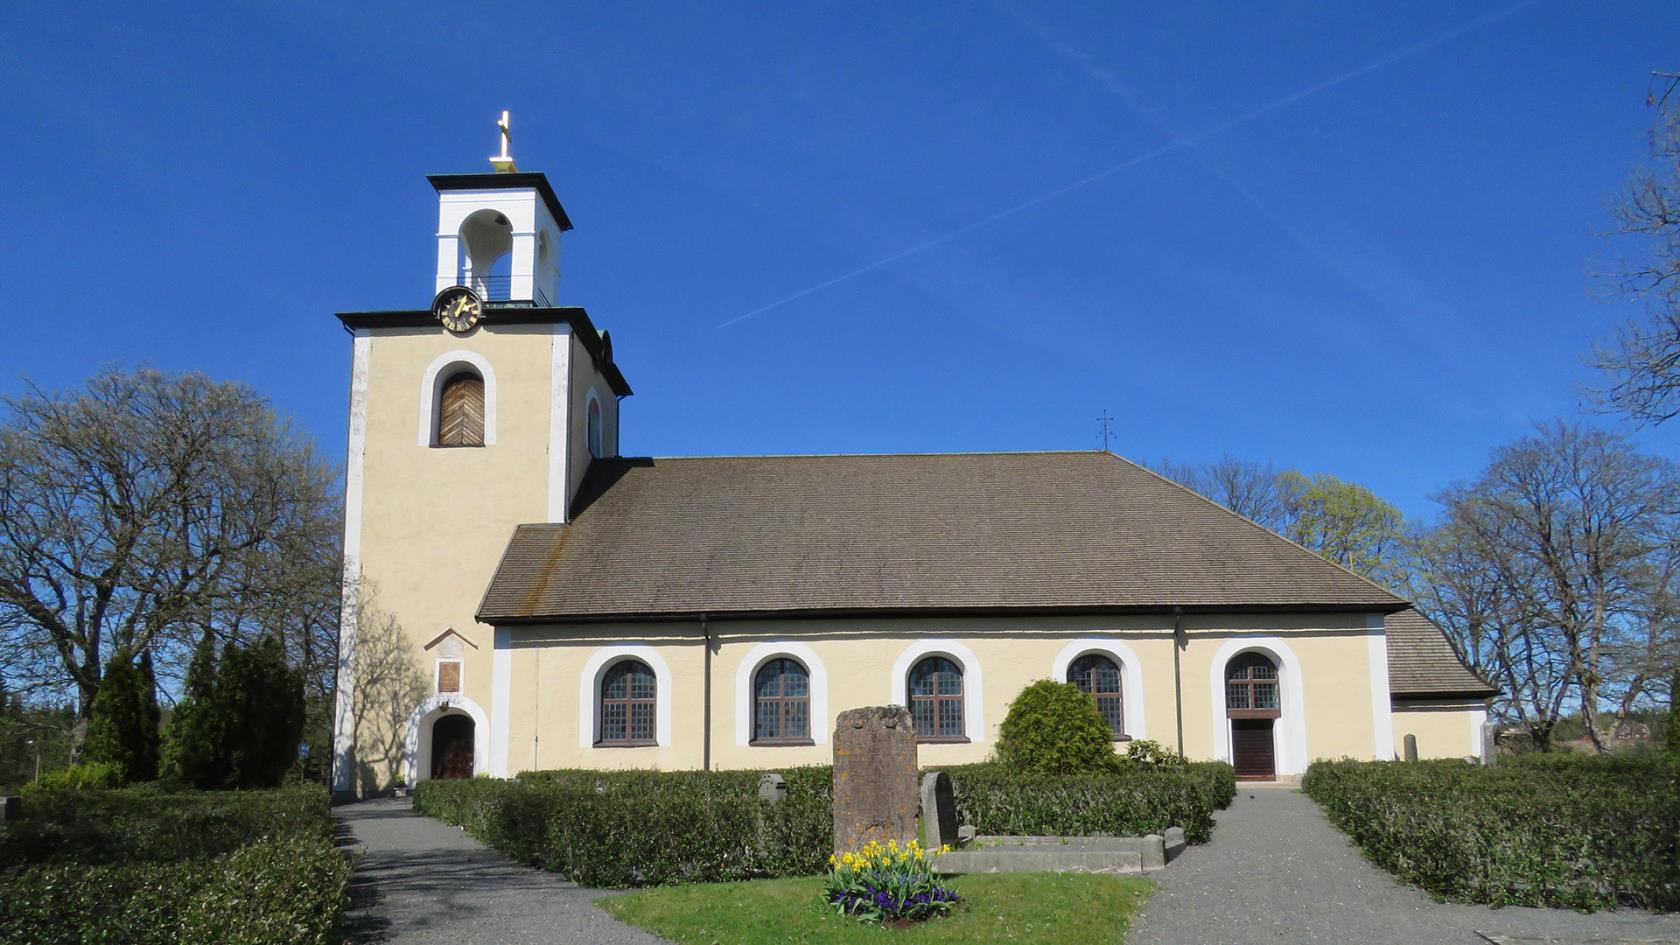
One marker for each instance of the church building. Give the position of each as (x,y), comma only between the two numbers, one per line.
(519,595)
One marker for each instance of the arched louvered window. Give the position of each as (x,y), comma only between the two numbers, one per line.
(1100,676)
(1251,688)
(936,699)
(461,411)
(782,703)
(628,695)
(597,445)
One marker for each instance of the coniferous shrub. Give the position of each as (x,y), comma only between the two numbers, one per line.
(261,699)
(1672,736)
(194,748)
(123,728)
(1055,728)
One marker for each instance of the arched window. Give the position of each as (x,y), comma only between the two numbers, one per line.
(596,447)
(936,699)
(782,703)
(1251,688)
(1098,675)
(461,411)
(627,705)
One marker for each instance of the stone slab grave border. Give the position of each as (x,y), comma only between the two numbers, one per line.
(989,854)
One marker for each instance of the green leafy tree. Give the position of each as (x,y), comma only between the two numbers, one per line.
(121,732)
(1055,728)
(196,748)
(1343,521)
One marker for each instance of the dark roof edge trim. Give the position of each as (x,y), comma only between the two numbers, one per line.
(1442,693)
(536,180)
(573,315)
(815,613)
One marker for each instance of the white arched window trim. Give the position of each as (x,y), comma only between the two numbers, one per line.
(595,426)
(1289,733)
(754,660)
(442,368)
(1131,676)
(589,691)
(417,739)
(974,712)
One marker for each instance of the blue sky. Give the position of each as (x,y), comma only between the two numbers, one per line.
(1353,238)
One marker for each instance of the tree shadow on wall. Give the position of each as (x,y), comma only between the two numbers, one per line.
(388,686)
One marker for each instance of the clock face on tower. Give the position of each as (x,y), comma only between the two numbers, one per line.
(458,308)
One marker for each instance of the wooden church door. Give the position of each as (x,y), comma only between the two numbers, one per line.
(452,747)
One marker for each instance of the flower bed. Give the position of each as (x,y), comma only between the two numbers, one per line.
(887,884)
(1570,831)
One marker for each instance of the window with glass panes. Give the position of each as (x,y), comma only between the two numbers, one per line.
(627,704)
(1100,677)
(781,702)
(1251,688)
(936,699)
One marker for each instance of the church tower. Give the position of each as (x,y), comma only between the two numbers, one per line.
(469,417)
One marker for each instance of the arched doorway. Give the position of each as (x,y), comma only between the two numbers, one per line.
(1253,704)
(452,746)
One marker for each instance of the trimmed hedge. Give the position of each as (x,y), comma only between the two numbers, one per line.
(637,828)
(1128,802)
(651,828)
(148,824)
(154,867)
(1547,830)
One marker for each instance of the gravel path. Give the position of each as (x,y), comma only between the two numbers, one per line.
(1277,871)
(421,882)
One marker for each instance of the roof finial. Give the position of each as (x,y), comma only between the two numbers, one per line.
(503,163)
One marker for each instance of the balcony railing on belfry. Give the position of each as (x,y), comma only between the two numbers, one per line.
(496,290)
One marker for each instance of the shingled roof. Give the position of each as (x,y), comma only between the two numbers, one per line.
(971,532)
(1421,663)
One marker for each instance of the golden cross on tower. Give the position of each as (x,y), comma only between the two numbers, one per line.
(503,163)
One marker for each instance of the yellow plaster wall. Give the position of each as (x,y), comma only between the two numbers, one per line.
(1443,730)
(859,657)
(434,521)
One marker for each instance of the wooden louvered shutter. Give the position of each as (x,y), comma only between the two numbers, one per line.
(461,412)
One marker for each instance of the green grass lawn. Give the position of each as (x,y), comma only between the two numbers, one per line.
(1047,908)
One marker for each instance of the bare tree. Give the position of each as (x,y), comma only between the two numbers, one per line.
(1247,488)
(145,509)
(1572,532)
(1642,364)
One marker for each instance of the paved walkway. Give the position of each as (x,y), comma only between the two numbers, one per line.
(421,882)
(1278,872)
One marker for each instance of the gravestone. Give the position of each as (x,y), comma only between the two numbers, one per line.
(1490,744)
(874,777)
(939,810)
(11,808)
(1411,747)
(772,787)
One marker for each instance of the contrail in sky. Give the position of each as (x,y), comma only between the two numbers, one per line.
(1176,144)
